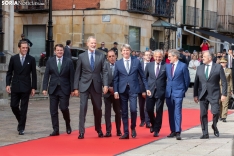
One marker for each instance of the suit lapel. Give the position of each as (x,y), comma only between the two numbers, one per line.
(160,70)
(97,56)
(109,71)
(63,64)
(212,70)
(130,70)
(177,68)
(124,67)
(54,64)
(86,59)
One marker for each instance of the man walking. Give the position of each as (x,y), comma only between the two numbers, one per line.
(67,50)
(59,74)
(109,97)
(156,78)
(207,90)
(177,84)
(126,87)
(21,81)
(90,76)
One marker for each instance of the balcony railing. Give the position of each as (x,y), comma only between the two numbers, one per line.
(225,23)
(140,6)
(189,16)
(32,6)
(210,19)
(163,8)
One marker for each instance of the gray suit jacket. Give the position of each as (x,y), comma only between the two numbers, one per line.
(201,84)
(110,78)
(84,75)
(65,78)
(67,52)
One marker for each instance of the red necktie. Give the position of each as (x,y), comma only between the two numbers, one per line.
(172,70)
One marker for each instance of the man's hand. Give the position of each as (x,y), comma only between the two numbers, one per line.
(116,95)
(111,90)
(223,98)
(44,92)
(72,93)
(105,89)
(144,94)
(8,89)
(76,92)
(196,99)
(33,92)
(148,92)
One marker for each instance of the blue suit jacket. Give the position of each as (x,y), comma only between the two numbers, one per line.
(179,83)
(122,78)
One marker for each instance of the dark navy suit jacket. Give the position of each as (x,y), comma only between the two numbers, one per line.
(122,78)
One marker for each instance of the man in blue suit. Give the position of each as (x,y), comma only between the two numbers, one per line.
(126,87)
(177,84)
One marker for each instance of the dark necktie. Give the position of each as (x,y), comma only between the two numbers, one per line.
(172,70)
(59,65)
(157,70)
(22,60)
(207,72)
(92,61)
(127,66)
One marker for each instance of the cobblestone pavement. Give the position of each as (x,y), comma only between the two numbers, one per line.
(39,125)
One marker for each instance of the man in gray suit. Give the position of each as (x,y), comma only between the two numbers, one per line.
(109,97)
(207,90)
(90,76)
(59,74)
(67,50)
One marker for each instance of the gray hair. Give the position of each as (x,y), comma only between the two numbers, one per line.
(209,53)
(90,37)
(174,52)
(157,51)
(127,46)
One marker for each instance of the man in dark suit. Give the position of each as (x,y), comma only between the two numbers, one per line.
(59,74)
(21,81)
(67,50)
(142,96)
(187,57)
(115,49)
(178,81)
(207,90)
(182,57)
(103,47)
(109,97)
(126,87)
(90,76)
(156,78)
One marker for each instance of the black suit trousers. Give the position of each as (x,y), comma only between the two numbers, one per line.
(156,121)
(204,105)
(20,109)
(111,101)
(58,99)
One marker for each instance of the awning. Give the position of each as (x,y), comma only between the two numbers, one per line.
(217,35)
(162,23)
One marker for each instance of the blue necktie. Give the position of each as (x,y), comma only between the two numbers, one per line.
(92,61)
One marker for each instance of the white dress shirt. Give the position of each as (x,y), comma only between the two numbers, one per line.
(125,63)
(61,60)
(90,53)
(175,65)
(230,59)
(210,66)
(145,63)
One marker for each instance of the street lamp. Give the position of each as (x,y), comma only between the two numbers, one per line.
(2,57)
(50,41)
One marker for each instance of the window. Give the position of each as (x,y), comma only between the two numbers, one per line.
(134,37)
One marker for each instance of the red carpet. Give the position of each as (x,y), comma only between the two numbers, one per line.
(69,145)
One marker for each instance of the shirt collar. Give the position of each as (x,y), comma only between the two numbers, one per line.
(21,55)
(210,64)
(157,63)
(127,59)
(175,63)
(91,52)
(61,59)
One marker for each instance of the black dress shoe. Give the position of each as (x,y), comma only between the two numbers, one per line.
(134,133)
(220,119)
(108,134)
(224,120)
(125,136)
(151,129)
(81,136)
(119,133)
(100,134)
(216,131)
(68,128)
(178,136)
(147,125)
(171,135)
(21,132)
(142,124)
(155,134)
(204,136)
(54,133)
